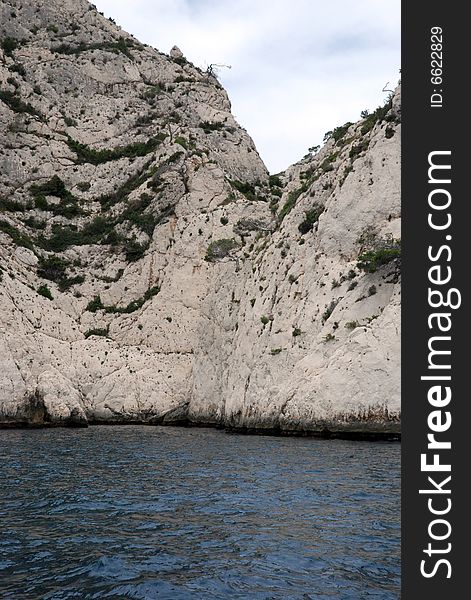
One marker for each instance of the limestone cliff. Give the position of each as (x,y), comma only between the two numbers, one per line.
(153,271)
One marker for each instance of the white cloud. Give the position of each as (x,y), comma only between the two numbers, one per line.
(299,67)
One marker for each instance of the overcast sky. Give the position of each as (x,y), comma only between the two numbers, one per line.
(299,67)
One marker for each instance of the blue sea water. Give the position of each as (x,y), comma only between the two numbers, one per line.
(176,513)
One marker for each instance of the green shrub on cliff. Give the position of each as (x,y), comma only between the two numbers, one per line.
(370,260)
(99,332)
(95,305)
(43,290)
(85,154)
(339,132)
(18,237)
(52,268)
(312,216)
(121,46)
(290,202)
(9,45)
(220,249)
(377,116)
(69,207)
(16,104)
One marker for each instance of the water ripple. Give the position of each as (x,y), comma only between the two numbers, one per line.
(141,512)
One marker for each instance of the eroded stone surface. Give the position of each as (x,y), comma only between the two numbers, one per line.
(205,291)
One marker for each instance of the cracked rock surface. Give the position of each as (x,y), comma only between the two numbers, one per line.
(152,270)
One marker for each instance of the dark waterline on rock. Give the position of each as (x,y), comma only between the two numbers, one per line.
(190,513)
(359,431)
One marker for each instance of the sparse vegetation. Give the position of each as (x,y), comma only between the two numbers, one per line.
(121,46)
(135,181)
(376,117)
(182,142)
(357,149)
(96,304)
(69,207)
(326,166)
(219,249)
(327,163)
(372,318)
(383,253)
(245,227)
(347,171)
(352,286)
(68,282)
(150,94)
(312,216)
(275,181)
(290,202)
(9,45)
(247,189)
(85,154)
(134,250)
(18,237)
(180,60)
(145,119)
(208,126)
(338,133)
(52,268)
(54,187)
(70,122)
(183,79)
(43,290)
(18,68)
(7,205)
(98,332)
(16,104)
(102,230)
(329,310)
(135,304)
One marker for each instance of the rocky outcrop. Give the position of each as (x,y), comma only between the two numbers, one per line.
(152,270)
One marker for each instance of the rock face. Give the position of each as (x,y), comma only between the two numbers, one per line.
(152,270)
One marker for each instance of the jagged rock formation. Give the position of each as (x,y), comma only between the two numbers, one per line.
(152,271)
